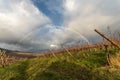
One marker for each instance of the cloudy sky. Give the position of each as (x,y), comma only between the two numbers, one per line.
(36,25)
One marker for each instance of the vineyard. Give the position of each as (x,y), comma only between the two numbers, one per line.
(100,61)
(82,65)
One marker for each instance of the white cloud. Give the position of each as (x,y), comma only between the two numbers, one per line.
(84,16)
(18,19)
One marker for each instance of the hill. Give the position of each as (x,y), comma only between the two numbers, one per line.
(80,65)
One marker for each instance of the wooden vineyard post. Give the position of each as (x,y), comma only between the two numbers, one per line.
(108,39)
(66,50)
(53,53)
(108,54)
(3,58)
(106,46)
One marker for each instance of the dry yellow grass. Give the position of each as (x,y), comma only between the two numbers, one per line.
(115,60)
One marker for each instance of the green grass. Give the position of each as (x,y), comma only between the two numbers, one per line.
(83,65)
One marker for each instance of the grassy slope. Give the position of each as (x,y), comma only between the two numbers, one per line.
(83,65)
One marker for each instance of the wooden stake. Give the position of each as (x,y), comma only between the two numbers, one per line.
(108,55)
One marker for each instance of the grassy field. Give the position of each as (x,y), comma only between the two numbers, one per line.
(82,65)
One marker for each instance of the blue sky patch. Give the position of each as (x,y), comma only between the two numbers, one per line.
(56,17)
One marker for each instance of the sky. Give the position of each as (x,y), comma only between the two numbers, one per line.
(38,25)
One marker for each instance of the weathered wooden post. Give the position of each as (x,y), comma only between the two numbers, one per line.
(53,53)
(108,54)
(106,46)
(108,39)
(66,50)
(3,58)
(51,50)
